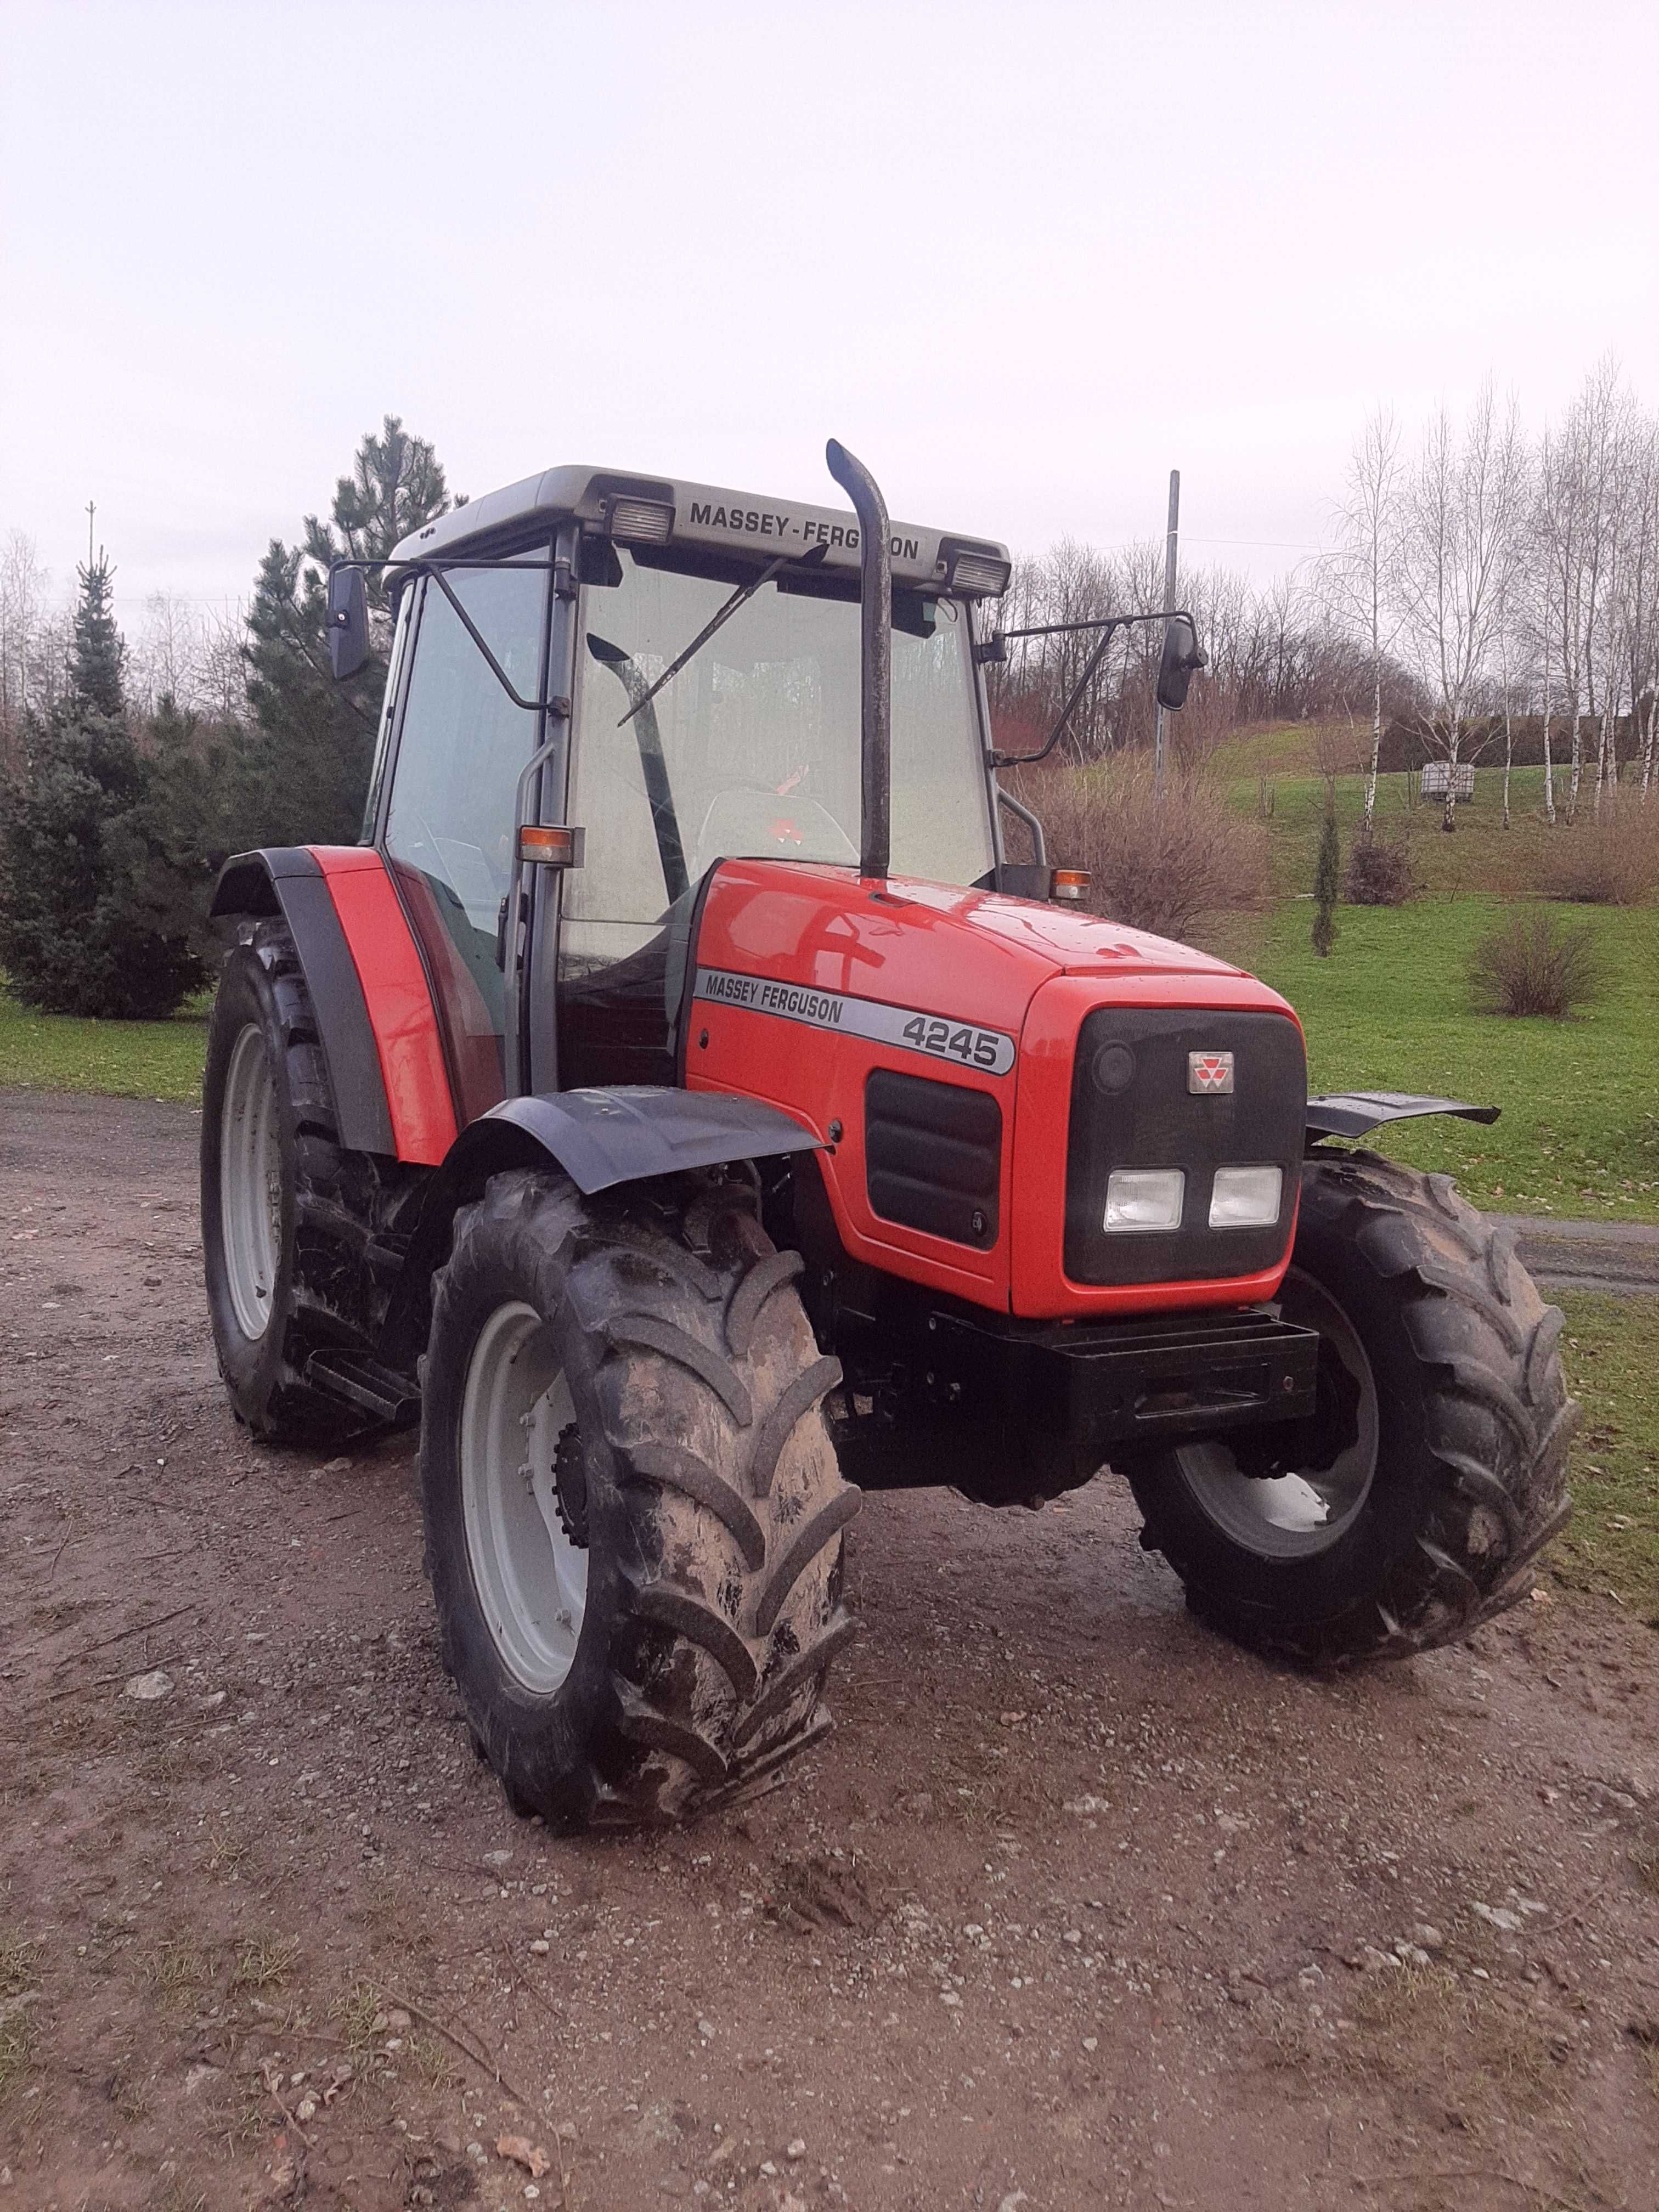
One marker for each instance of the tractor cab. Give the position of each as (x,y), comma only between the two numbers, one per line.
(682,664)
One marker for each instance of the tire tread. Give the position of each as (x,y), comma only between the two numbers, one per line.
(1497,1419)
(711,1439)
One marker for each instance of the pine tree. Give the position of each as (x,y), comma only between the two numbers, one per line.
(303,774)
(1328,878)
(397,483)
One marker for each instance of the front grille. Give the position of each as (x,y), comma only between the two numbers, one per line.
(1130,1107)
(933,1156)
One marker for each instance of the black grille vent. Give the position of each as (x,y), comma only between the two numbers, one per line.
(933,1156)
(1132,1107)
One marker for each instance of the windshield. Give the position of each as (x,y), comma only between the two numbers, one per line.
(752,748)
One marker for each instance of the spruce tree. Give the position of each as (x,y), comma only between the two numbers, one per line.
(1328,878)
(303,773)
(100,874)
(98,653)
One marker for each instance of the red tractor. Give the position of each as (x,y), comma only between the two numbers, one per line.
(679,1103)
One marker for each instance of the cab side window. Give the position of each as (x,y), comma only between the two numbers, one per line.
(449,826)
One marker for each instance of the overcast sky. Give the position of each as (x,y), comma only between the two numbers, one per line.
(1022,258)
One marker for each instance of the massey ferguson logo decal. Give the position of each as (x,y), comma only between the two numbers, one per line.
(1209,1070)
(901,1027)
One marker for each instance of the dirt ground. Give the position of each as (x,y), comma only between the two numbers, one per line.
(1079,1905)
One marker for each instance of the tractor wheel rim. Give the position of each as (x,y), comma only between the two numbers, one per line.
(251,1183)
(530,1575)
(1305,1511)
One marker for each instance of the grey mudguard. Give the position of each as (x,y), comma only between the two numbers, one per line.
(600,1138)
(1353,1112)
(632,1132)
(286,879)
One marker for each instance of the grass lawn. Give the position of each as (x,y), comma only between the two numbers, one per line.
(1388,1010)
(124,1059)
(1612,1543)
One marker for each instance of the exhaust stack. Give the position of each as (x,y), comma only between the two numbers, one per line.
(876,597)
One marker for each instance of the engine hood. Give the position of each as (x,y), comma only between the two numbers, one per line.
(963,954)
(1074,943)
(899,1007)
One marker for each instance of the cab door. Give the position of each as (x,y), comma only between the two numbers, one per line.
(448,838)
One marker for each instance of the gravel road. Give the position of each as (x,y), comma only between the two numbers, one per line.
(1621,1256)
(1078,1907)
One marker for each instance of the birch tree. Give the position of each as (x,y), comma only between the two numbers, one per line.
(1461,542)
(1638,624)
(32,640)
(1595,424)
(1560,530)
(1362,574)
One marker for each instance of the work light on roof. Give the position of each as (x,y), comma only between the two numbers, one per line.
(641,522)
(979,571)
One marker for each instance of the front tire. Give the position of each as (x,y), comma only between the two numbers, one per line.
(1409,1509)
(634,1513)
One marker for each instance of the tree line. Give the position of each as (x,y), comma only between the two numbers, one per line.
(1483,590)
(1486,594)
(126,778)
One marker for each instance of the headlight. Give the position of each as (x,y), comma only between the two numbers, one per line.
(1245,1198)
(1145,1198)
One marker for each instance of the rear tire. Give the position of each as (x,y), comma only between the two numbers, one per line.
(1410,1510)
(290,1220)
(640,1616)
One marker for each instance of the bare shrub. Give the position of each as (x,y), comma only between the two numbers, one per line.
(1534,963)
(1169,864)
(1381,872)
(1611,862)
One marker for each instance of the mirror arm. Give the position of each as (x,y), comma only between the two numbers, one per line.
(1106,623)
(1112,622)
(431,568)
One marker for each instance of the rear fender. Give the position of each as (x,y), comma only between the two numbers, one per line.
(630,1134)
(289,880)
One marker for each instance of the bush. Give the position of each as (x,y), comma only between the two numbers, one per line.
(1534,963)
(1381,872)
(1168,865)
(1611,862)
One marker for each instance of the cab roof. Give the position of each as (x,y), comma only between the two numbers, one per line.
(661,510)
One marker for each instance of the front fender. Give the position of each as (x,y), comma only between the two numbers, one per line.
(630,1132)
(1356,1113)
(601,1138)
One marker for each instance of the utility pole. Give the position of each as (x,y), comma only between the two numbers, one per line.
(1169,602)
(91,509)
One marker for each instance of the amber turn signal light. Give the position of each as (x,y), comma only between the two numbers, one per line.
(1071,885)
(559,847)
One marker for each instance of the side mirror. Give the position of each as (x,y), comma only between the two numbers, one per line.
(1182,655)
(348,622)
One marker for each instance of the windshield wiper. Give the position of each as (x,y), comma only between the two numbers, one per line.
(744,592)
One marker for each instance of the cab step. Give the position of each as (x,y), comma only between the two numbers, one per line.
(357,1380)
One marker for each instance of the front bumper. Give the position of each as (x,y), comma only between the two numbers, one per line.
(1105,1384)
(1036,1407)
